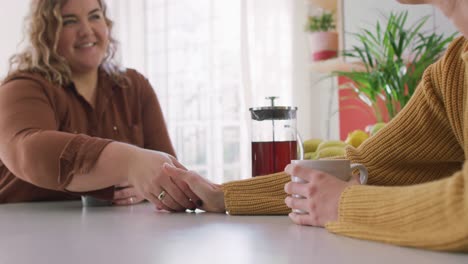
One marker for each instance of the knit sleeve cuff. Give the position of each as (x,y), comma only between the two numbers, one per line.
(429,215)
(260,195)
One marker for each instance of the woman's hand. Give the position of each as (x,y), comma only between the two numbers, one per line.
(322,194)
(126,194)
(211,195)
(148,179)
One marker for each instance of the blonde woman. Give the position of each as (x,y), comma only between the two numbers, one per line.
(73,123)
(418,171)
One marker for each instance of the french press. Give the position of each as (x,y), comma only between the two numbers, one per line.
(274,138)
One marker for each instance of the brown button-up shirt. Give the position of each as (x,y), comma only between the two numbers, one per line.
(50,133)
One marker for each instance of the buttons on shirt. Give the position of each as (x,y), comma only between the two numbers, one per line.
(115,128)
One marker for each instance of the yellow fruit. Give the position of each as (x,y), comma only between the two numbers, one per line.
(311,145)
(356,138)
(331,152)
(330,143)
(376,128)
(309,155)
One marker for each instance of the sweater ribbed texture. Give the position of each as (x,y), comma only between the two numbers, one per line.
(259,195)
(420,159)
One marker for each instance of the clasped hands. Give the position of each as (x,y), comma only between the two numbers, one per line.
(321,193)
(148,181)
(170,186)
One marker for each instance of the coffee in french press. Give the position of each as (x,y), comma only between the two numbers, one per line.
(274,138)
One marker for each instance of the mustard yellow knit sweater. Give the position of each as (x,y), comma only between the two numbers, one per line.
(417,193)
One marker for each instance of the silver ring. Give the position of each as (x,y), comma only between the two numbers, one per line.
(162,195)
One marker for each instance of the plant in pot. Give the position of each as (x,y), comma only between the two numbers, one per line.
(395,57)
(323,38)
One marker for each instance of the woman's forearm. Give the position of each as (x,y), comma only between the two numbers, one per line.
(111,168)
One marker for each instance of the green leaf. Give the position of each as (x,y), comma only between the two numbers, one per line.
(395,57)
(322,22)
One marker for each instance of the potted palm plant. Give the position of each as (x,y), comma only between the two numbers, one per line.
(323,38)
(395,57)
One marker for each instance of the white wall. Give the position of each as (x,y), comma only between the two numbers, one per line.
(364,13)
(312,92)
(310,114)
(442,24)
(12,14)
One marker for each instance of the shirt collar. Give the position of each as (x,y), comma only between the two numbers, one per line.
(106,85)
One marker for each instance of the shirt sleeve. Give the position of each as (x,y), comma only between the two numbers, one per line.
(31,146)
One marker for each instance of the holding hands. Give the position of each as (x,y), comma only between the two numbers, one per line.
(148,180)
(321,194)
(184,189)
(211,196)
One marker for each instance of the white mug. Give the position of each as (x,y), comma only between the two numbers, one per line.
(340,168)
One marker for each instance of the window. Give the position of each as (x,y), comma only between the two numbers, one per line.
(208,66)
(194,63)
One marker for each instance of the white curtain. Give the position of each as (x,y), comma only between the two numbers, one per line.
(129,30)
(209,61)
(267,36)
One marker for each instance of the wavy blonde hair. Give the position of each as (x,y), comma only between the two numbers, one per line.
(43,31)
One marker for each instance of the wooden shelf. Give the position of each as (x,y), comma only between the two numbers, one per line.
(325,4)
(336,64)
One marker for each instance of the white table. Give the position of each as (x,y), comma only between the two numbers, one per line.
(66,233)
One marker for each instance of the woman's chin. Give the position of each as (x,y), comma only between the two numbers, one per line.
(85,66)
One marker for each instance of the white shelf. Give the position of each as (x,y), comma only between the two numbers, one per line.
(336,64)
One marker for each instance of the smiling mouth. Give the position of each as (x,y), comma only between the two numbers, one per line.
(86,45)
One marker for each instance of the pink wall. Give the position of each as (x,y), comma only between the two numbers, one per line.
(354,114)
